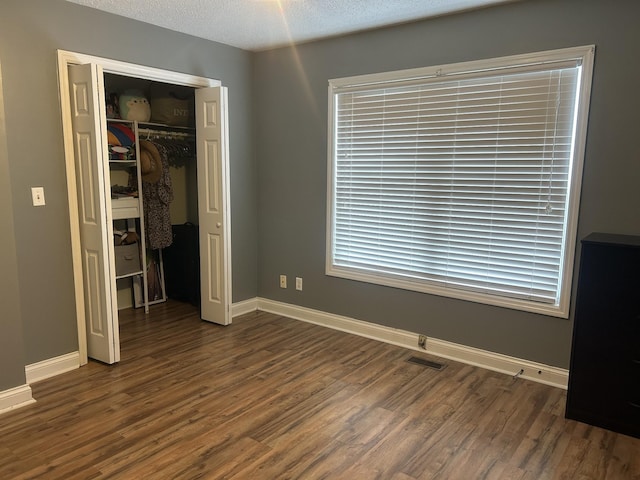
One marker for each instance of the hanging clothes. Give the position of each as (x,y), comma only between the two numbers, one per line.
(157,194)
(180,149)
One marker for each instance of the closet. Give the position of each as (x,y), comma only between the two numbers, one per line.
(110,185)
(167,194)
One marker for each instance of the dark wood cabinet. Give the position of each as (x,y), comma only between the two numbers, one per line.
(604,376)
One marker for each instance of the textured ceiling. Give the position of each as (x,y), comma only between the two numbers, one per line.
(262,24)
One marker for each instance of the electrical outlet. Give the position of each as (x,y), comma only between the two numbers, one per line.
(283,281)
(299,283)
(422,341)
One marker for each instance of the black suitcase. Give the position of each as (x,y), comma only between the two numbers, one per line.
(182,264)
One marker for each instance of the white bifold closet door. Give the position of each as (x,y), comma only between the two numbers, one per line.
(213,204)
(86,83)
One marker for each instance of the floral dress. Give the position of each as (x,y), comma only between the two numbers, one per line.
(157,197)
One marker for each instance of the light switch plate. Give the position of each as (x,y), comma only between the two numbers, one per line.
(37,194)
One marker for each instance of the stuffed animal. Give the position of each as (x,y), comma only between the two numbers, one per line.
(134,106)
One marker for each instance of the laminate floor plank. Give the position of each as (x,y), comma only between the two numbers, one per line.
(271,398)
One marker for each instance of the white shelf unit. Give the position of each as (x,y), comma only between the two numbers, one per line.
(130,209)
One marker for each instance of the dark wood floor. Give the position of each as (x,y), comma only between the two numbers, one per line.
(273,398)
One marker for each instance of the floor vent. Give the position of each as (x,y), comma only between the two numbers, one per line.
(426,363)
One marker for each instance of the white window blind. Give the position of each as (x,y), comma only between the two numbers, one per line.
(459,181)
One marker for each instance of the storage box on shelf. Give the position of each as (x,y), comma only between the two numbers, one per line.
(127,260)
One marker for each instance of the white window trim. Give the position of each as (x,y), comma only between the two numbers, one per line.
(586,55)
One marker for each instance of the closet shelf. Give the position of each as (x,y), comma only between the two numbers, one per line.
(125,208)
(131,162)
(163,126)
(132,274)
(119,120)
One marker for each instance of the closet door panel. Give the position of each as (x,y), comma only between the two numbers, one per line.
(89,123)
(213,204)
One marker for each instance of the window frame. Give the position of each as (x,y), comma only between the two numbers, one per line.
(584,55)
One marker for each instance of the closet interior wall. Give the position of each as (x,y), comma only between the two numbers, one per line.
(184,207)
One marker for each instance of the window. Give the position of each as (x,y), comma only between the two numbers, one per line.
(461,180)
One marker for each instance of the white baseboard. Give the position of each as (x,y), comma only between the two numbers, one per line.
(538,372)
(245,306)
(52,366)
(15,398)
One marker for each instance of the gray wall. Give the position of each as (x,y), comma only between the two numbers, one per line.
(290,91)
(11,346)
(30,33)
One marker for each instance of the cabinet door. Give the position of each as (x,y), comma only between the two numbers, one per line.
(213,204)
(89,124)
